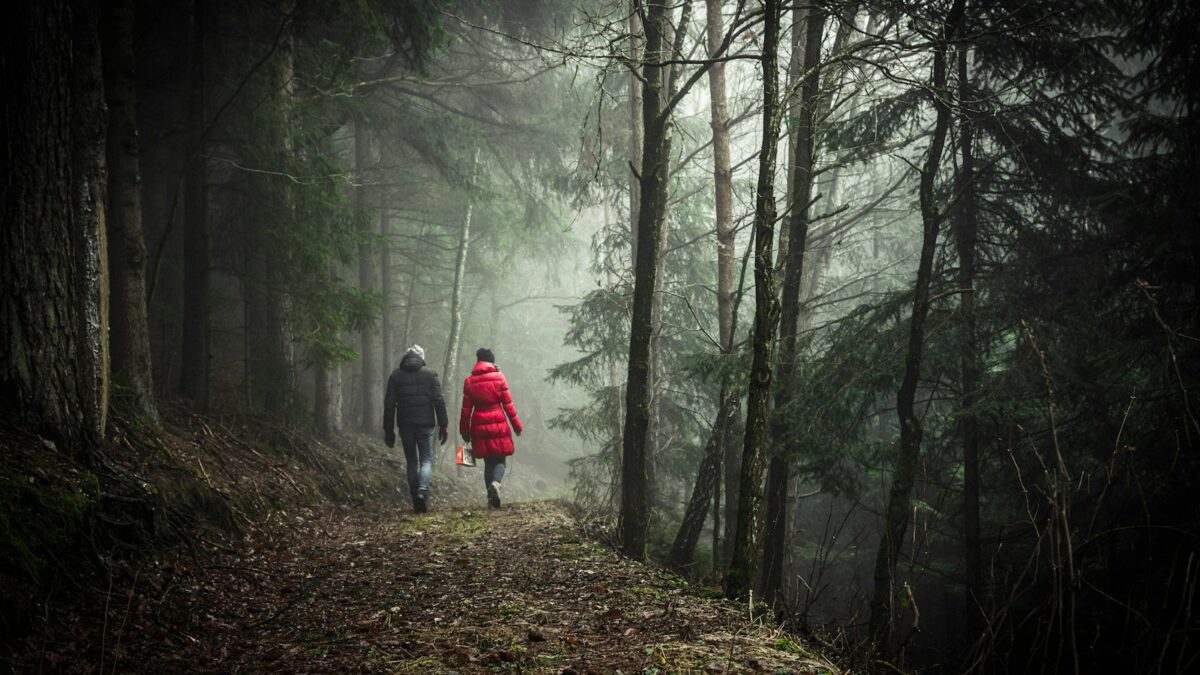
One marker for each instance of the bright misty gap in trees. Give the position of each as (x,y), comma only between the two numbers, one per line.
(879,319)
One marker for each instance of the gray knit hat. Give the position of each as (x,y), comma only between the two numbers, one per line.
(418,350)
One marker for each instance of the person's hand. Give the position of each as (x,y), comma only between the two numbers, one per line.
(443,434)
(466,438)
(389,437)
(519,430)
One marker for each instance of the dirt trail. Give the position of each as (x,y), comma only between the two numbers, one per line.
(454,590)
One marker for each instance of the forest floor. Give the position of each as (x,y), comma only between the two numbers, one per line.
(383,590)
(338,578)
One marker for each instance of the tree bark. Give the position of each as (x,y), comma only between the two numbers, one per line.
(130,326)
(636,131)
(460,272)
(899,503)
(387,348)
(965,228)
(634,513)
(371,380)
(726,264)
(804,142)
(53,314)
(327,399)
(269,358)
(194,356)
(707,478)
(742,567)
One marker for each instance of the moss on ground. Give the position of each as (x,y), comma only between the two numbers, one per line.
(45,517)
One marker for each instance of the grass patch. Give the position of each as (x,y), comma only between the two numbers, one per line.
(508,609)
(787,645)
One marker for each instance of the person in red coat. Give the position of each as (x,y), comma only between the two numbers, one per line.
(487,411)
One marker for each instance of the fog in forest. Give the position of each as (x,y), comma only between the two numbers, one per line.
(877,317)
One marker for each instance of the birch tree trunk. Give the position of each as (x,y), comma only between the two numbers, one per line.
(460,270)
(742,567)
(130,325)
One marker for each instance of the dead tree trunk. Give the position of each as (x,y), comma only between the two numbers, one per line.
(53,366)
(899,504)
(194,356)
(742,567)
(130,326)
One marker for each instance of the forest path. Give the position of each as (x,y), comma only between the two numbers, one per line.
(454,590)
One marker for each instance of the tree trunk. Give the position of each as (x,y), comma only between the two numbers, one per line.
(803,161)
(743,566)
(53,366)
(271,375)
(722,179)
(327,376)
(387,349)
(130,326)
(636,131)
(193,372)
(707,479)
(634,513)
(460,271)
(327,399)
(614,385)
(965,227)
(726,258)
(899,504)
(371,381)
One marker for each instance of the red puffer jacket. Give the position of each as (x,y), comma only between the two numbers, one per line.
(485,402)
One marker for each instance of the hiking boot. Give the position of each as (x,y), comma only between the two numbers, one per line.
(494,495)
(420,502)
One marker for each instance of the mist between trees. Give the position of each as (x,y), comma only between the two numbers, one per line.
(883,314)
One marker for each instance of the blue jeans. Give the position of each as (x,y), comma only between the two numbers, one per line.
(418,455)
(493,470)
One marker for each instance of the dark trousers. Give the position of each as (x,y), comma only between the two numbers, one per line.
(493,470)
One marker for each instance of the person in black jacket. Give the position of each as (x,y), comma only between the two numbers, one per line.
(413,398)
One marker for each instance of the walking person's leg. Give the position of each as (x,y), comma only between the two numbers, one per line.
(408,441)
(493,479)
(424,442)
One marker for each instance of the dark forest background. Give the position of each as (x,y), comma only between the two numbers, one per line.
(882,314)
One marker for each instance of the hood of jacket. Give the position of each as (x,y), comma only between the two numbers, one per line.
(483,367)
(412,362)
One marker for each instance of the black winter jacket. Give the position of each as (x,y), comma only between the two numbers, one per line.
(413,396)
